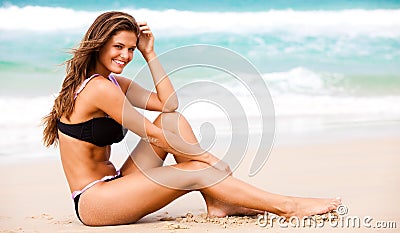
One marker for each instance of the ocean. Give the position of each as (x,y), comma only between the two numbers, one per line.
(325,63)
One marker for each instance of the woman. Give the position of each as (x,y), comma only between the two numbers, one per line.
(88,115)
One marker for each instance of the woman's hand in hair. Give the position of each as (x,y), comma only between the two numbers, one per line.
(145,40)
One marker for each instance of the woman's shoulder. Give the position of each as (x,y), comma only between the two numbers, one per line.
(93,79)
(86,84)
(98,86)
(123,82)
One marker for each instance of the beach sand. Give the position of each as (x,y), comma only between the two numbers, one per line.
(362,170)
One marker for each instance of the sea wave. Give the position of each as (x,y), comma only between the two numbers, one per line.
(304,81)
(296,92)
(351,23)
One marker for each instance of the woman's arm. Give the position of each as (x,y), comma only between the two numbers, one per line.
(143,98)
(164,99)
(108,98)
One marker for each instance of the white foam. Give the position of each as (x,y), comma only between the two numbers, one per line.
(359,107)
(303,92)
(373,23)
(21,111)
(20,119)
(301,80)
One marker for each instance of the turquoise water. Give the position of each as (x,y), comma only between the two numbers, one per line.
(339,37)
(222,5)
(347,47)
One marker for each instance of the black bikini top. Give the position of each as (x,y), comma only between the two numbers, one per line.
(101,131)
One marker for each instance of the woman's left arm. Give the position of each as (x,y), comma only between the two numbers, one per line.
(164,99)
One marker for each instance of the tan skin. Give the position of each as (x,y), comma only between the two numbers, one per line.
(129,198)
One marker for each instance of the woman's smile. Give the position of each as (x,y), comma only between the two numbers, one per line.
(120,63)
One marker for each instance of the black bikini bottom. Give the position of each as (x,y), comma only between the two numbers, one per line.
(76,199)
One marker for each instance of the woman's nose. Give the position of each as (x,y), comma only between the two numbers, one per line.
(124,53)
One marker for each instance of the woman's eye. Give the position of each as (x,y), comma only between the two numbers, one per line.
(132,49)
(118,46)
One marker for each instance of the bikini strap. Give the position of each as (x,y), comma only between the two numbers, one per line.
(110,77)
(114,80)
(105,178)
(83,85)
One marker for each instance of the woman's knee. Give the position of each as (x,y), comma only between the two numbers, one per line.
(195,165)
(171,121)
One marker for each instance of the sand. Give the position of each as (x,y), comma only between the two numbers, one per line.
(362,170)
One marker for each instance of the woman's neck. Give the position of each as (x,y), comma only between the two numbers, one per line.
(104,74)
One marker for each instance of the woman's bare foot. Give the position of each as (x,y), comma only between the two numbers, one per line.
(302,207)
(221,209)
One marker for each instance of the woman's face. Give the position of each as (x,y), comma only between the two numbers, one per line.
(116,53)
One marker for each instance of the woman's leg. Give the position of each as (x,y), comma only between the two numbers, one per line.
(133,196)
(177,123)
(146,156)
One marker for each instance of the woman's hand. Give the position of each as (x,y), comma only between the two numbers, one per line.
(146,40)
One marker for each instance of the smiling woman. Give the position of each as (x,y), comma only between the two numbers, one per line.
(88,115)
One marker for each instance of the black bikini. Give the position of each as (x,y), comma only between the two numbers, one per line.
(100,131)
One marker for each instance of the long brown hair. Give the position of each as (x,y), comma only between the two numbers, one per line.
(83,60)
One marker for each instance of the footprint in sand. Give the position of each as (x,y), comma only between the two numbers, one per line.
(42,216)
(67,220)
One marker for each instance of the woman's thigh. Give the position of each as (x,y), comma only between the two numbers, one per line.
(129,198)
(124,200)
